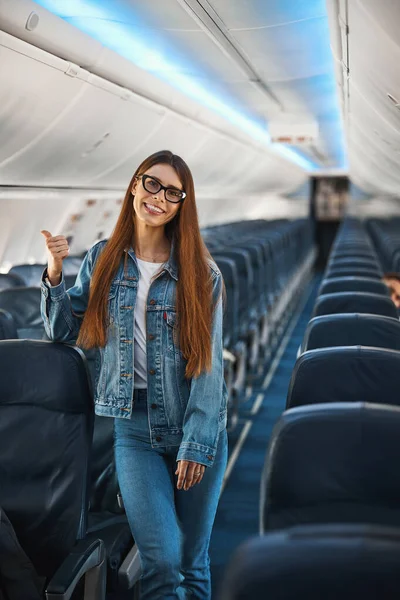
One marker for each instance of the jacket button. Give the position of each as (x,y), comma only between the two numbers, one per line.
(210,457)
(152,302)
(158,438)
(151,336)
(154,406)
(152,371)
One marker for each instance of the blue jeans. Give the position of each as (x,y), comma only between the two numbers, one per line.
(171,527)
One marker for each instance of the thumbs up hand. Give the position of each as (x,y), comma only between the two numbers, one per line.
(57,249)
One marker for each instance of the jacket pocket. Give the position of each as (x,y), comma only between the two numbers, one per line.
(172,336)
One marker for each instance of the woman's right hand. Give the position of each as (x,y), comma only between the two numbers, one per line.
(57,249)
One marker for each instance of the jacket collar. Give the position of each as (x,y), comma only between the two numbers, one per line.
(169,266)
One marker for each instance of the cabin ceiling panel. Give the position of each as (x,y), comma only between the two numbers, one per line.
(284,52)
(207,63)
(256,14)
(281,41)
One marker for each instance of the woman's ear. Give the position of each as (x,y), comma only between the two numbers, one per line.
(134,186)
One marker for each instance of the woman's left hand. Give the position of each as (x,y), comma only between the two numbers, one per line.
(189,473)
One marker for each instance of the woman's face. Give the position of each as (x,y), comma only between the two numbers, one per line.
(146,203)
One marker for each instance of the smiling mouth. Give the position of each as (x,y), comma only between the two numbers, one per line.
(154,210)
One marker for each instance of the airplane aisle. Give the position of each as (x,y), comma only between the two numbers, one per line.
(238,512)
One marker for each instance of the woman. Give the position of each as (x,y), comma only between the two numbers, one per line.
(156,318)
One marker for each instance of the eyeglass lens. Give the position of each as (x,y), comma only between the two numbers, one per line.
(153,186)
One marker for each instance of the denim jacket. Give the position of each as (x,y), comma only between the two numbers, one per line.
(189,413)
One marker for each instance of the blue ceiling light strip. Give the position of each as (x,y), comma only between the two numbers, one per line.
(112,25)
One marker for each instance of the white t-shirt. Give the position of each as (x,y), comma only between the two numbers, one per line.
(147,271)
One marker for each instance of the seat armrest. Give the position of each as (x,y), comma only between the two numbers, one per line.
(87,558)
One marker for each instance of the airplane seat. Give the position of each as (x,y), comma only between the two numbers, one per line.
(348,262)
(352,329)
(8,330)
(69,281)
(9,280)
(72,264)
(335,463)
(30,274)
(334,271)
(396,261)
(354,302)
(235,367)
(247,328)
(340,255)
(23,304)
(384,234)
(46,404)
(353,284)
(316,562)
(345,374)
(229,274)
(261,315)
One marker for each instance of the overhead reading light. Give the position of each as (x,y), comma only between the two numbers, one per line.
(101,22)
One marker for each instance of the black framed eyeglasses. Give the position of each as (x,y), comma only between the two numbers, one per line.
(153,186)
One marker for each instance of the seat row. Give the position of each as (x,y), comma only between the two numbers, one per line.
(329,497)
(263,264)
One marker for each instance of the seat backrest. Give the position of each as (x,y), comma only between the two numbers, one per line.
(352,272)
(46,426)
(316,562)
(8,330)
(244,271)
(23,303)
(354,302)
(69,281)
(335,463)
(231,309)
(351,253)
(345,374)
(353,284)
(367,263)
(71,265)
(352,329)
(30,274)
(8,280)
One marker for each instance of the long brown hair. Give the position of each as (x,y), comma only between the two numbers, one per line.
(194,287)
